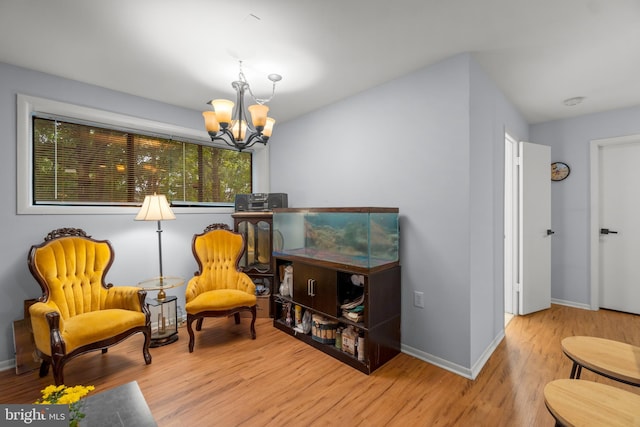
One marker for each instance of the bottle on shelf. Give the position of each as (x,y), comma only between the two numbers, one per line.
(298,311)
(361,351)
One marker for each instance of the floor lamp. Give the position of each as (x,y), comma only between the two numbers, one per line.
(156,208)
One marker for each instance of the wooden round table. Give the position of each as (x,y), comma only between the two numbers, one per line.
(586,403)
(612,359)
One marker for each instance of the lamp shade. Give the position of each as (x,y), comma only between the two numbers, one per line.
(155,208)
(258,115)
(211,122)
(239,130)
(268,128)
(223,109)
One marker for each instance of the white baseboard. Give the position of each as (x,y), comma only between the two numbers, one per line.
(479,364)
(470,373)
(477,367)
(570,304)
(5,365)
(434,360)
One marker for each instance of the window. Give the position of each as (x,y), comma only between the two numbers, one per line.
(74,160)
(80,164)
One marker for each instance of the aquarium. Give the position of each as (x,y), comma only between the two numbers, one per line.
(362,237)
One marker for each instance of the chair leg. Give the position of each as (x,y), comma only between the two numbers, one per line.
(199,324)
(236,316)
(145,346)
(57,364)
(104,350)
(192,337)
(58,376)
(44,368)
(253,322)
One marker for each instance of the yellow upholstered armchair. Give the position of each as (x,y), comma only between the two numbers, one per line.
(77,311)
(218,288)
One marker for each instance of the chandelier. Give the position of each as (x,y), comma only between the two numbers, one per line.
(230,125)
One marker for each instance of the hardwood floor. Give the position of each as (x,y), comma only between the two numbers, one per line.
(231,380)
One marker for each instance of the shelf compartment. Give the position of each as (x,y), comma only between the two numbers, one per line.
(279,299)
(329,349)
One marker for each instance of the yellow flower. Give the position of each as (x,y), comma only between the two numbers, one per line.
(63,395)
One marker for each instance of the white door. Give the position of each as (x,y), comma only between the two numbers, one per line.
(620,227)
(534,227)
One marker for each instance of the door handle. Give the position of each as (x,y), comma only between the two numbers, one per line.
(310,287)
(550,232)
(607,231)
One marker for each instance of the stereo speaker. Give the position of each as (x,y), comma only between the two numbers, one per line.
(257,202)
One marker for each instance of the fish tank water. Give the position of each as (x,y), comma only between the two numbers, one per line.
(361,237)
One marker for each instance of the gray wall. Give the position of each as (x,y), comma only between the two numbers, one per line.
(570,199)
(135,242)
(491,115)
(432,144)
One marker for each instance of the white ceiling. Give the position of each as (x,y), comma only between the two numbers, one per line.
(185,52)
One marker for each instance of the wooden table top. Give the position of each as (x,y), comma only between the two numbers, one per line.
(586,403)
(607,357)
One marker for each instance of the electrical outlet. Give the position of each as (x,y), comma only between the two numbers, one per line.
(418,299)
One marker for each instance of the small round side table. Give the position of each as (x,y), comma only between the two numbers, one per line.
(164,310)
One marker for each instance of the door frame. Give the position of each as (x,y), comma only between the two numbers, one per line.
(511,297)
(594,226)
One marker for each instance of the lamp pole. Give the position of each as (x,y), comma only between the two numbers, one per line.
(160,249)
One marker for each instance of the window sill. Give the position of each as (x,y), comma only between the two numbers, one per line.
(117,210)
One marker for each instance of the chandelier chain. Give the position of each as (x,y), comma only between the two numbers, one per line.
(260,101)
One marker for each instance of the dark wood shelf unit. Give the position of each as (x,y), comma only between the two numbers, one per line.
(381,315)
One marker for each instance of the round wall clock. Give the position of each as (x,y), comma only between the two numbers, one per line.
(559,171)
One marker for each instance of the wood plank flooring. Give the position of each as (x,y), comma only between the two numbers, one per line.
(231,380)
